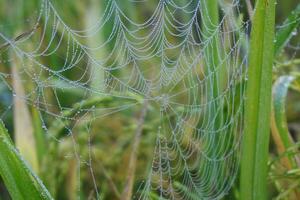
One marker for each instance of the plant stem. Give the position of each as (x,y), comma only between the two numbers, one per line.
(91,16)
(23,128)
(249,8)
(127,192)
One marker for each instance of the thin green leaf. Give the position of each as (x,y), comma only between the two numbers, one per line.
(288,29)
(91,15)
(19,179)
(254,168)
(39,134)
(280,90)
(23,127)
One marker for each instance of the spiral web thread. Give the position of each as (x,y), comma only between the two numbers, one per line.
(191,73)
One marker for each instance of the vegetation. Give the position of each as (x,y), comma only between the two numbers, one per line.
(67,140)
(257,115)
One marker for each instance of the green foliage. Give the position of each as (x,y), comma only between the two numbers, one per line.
(280,90)
(19,179)
(289,28)
(257,114)
(284,167)
(56,171)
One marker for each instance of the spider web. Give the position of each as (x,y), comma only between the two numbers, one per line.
(182,72)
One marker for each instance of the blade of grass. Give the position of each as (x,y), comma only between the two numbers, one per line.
(249,8)
(280,125)
(41,144)
(19,179)
(287,30)
(280,132)
(91,15)
(210,26)
(72,180)
(127,192)
(254,159)
(23,128)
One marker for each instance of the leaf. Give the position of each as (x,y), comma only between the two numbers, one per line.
(280,125)
(91,15)
(254,168)
(288,29)
(19,179)
(280,133)
(39,134)
(23,128)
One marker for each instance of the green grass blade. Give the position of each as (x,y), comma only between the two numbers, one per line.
(23,126)
(91,15)
(258,104)
(210,22)
(39,134)
(280,90)
(17,176)
(288,29)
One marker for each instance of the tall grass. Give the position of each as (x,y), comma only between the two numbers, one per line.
(254,169)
